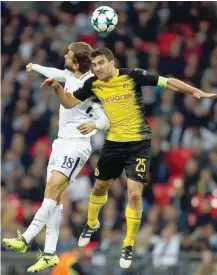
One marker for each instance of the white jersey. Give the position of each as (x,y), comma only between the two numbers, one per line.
(69,119)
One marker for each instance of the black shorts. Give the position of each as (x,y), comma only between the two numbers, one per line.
(133,156)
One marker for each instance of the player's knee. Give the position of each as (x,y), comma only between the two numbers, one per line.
(101,187)
(134,195)
(56,185)
(53,190)
(60,198)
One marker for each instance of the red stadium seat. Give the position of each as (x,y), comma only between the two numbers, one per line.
(151,120)
(41,146)
(162,194)
(165,41)
(146,47)
(176,160)
(88,38)
(196,49)
(185,30)
(197,200)
(213,202)
(196,203)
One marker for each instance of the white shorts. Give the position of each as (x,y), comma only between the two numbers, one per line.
(68,157)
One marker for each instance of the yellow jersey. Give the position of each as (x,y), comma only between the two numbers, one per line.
(122,101)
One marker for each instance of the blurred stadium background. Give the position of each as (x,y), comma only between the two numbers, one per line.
(179,230)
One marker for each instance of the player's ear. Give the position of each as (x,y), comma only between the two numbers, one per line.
(75,66)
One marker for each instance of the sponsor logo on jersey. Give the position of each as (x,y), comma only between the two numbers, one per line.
(116,98)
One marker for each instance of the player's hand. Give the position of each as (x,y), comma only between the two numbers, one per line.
(50,82)
(86,127)
(29,67)
(201,94)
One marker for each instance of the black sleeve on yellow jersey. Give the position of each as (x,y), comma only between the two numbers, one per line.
(95,100)
(143,78)
(84,92)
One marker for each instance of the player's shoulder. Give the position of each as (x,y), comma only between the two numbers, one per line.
(67,72)
(94,100)
(91,79)
(132,72)
(86,76)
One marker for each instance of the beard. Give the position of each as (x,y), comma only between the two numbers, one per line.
(68,67)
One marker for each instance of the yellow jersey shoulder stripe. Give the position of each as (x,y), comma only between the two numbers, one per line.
(72,95)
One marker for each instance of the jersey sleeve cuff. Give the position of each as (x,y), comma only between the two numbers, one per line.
(162,82)
(72,95)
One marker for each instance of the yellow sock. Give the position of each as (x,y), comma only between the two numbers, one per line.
(95,204)
(133,223)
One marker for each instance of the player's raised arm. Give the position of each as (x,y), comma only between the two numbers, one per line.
(143,77)
(64,97)
(67,98)
(59,75)
(180,86)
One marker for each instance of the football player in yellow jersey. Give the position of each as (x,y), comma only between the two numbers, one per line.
(128,141)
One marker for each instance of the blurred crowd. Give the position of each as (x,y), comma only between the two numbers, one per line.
(176,39)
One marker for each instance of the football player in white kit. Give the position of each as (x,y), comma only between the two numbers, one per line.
(70,151)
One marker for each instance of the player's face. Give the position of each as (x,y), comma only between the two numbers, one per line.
(70,64)
(102,67)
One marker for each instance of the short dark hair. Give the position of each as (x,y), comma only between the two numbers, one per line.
(82,53)
(102,51)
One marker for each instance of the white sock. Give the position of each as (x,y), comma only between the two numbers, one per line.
(53,229)
(41,217)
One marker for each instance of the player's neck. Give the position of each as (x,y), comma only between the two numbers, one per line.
(113,73)
(78,74)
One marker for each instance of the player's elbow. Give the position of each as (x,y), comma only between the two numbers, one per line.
(66,106)
(68,102)
(69,105)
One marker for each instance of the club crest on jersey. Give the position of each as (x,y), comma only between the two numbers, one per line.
(96,172)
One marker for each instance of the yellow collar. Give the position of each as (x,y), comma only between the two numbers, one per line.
(116,74)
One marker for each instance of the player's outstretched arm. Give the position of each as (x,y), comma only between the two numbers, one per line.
(142,77)
(70,99)
(59,75)
(64,97)
(180,86)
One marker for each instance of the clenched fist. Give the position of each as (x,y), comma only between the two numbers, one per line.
(50,82)
(29,67)
(86,127)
